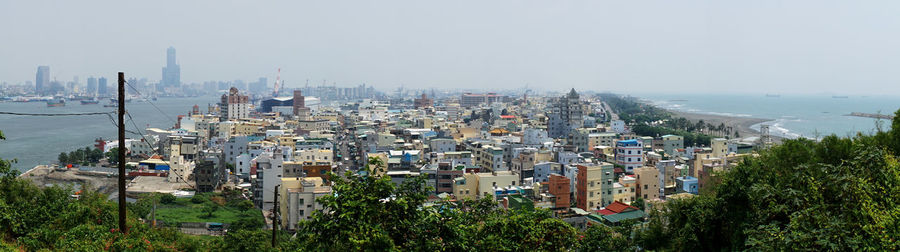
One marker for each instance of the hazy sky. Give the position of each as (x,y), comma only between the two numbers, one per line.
(625,46)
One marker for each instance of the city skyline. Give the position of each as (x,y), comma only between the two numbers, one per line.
(759,47)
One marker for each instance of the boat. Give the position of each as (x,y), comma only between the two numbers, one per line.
(773,95)
(89,102)
(840,96)
(111,105)
(58,102)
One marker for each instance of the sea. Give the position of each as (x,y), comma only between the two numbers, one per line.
(35,140)
(791,116)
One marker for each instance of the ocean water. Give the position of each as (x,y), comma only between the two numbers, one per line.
(792,116)
(34,140)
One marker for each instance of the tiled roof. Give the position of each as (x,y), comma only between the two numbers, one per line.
(619,207)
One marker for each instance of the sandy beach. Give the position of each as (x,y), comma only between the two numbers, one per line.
(741,124)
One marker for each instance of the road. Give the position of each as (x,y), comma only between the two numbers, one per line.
(612,114)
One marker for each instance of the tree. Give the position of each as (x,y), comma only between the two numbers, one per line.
(603,238)
(113,155)
(167,199)
(209,208)
(639,203)
(245,205)
(198,199)
(63,158)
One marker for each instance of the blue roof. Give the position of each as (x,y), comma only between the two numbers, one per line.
(628,142)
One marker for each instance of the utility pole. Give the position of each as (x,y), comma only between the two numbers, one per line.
(122,227)
(275,217)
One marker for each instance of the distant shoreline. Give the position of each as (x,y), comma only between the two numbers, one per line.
(741,124)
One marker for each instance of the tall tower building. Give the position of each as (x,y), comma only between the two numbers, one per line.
(566,114)
(91,85)
(42,80)
(101,86)
(171,73)
(234,105)
(300,109)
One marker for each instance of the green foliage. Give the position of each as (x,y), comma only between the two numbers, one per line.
(112,155)
(49,219)
(690,139)
(184,210)
(371,213)
(835,194)
(209,208)
(648,120)
(603,238)
(245,205)
(248,240)
(86,155)
(198,199)
(167,198)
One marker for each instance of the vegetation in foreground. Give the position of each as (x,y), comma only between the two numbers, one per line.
(836,194)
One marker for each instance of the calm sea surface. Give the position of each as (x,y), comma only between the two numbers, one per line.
(792,116)
(36,140)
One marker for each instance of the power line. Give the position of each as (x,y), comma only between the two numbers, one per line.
(148,101)
(157,152)
(57,114)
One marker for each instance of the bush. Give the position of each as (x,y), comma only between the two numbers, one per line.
(245,205)
(198,199)
(167,199)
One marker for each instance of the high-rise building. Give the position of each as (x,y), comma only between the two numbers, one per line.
(234,105)
(647,182)
(469,100)
(42,80)
(300,109)
(629,154)
(91,85)
(171,73)
(566,114)
(423,101)
(593,186)
(101,86)
(260,86)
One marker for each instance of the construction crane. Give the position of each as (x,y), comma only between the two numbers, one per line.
(277,83)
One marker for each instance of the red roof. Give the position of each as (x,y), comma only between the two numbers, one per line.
(508,116)
(605,212)
(618,170)
(618,207)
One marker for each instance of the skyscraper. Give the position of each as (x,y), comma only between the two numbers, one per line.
(42,80)
(565,115)
(101,86)
(171,73)
(91,85)
(300,109)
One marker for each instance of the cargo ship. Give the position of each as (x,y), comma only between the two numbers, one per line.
(89,102)
(56,102)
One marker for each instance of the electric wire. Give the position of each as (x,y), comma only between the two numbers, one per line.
(157,152)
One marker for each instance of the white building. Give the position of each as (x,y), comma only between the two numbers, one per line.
(298,199)
(269,171)
(629,153)
(617,126)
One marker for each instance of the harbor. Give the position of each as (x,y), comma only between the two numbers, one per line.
(870,115)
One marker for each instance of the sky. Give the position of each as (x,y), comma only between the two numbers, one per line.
(784,47)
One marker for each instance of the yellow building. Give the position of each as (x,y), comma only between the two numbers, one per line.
(315,157)
(624,191)
(466,187)
(647,182)
(248,129)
